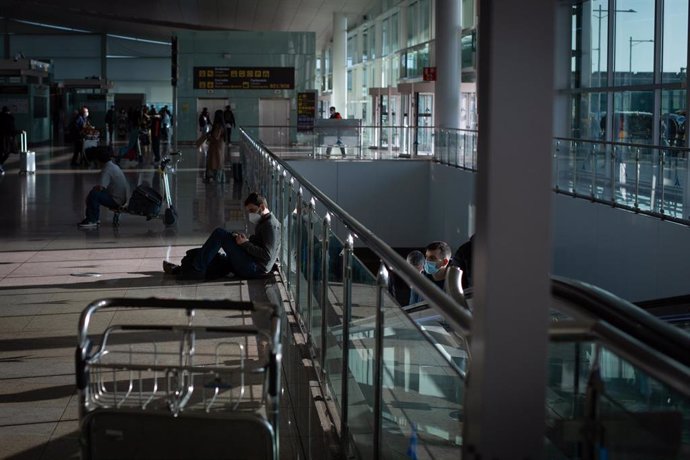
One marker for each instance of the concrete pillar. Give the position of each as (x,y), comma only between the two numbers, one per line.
(505,409)
(448,70)
(339,64)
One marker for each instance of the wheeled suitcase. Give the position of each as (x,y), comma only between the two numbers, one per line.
(145,201)
(27,159)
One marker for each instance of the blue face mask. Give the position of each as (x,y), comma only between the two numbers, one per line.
(430,267)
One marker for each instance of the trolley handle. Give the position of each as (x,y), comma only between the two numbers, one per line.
(169,304)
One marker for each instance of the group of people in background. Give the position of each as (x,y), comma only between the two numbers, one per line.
(214,137)
(143,129)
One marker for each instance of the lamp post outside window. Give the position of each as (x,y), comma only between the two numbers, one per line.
(633,43)
(600,14)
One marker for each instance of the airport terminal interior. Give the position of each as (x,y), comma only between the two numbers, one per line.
(550,155)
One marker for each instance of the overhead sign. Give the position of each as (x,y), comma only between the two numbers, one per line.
(429,74)
(306,110)
(244,78)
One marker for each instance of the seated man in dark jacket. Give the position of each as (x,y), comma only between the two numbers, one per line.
(245,257)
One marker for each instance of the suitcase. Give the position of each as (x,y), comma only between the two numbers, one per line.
(145,201)
(27,162)
(27,159)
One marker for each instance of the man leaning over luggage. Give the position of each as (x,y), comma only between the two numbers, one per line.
(112,190)
(250,257)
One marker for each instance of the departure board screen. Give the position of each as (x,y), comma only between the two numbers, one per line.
(306,110)
(244,78)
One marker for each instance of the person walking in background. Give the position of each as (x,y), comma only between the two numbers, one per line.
(335,115)
(166,124)
(110,123)
(204,121)
(229,119)
(7,133)
(122,124)
(156,124)
(80,123)
(215,154)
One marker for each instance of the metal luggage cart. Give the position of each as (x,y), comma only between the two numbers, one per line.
(174,389)
(90,140)
(167,166)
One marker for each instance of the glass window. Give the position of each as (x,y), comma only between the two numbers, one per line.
(633,118)
(394,33)
(424,21)
(365,44)
(385,41)
(349,80)
(675,56)
(634,58)
(412,12)
(468,47)
(673,118)
(372,42)
(467,14)
(351,58)
(588,116)
(600,31)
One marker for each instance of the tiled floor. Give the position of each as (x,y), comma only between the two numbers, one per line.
(50,270)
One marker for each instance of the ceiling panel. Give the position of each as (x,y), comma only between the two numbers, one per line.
(160,19)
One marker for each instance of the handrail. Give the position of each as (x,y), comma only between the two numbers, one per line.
(657,348)
(621,144)
(625,316)
(456,315)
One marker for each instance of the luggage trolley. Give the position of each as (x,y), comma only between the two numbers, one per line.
(147,202)
(174,389)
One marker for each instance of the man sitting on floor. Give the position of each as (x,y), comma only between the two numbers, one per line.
(245,257)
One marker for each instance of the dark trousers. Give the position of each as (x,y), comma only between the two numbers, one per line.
(78,146)
(156,147)
(94,200)
(243,265)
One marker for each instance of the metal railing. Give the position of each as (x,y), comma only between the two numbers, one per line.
(351,318)
(647,179)
(610,365)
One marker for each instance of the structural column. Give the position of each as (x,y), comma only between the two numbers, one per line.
(339,63)
(448,70)
(505,409)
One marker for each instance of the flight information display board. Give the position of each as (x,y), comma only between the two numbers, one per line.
(306,110)
(244,78)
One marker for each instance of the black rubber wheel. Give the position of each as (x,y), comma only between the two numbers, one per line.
(170,216)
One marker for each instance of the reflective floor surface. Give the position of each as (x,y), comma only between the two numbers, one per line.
(50,270)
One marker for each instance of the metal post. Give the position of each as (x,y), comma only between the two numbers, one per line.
(637,180)
(347,315)
(284,214)
(555,162)
(298,268)
(325,240)
(594,172)
(381,287)
(290,223)
(613,174)
(662,167)
(574,149)
(310,267)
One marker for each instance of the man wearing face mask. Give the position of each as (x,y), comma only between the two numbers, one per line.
(437,256)
(245,257)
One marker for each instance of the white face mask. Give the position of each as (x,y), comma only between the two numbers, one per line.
(254,218)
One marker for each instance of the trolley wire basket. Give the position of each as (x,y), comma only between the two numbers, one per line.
(176,389)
